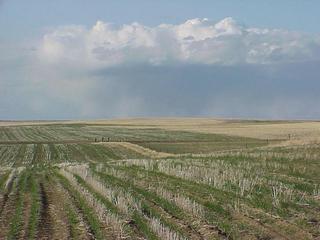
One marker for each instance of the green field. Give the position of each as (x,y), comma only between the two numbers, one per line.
(60,181)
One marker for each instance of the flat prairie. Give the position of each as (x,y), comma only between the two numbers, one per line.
(261,129)
(160,178)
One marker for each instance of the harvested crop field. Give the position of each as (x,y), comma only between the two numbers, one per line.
(160,179)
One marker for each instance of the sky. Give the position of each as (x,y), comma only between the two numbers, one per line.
(77,59)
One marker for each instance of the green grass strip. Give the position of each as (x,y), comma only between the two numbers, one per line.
(145,196)
(140,222)
(109,205)
(73,221)
(3,180)
(195,191)
(80,202)
(16,222)
(35,207)
(143,226)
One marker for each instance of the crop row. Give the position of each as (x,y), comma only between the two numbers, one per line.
(268,198)
(135,212)
(49,154)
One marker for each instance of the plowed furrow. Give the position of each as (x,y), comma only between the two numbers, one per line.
(7,212)
(45,224)
(6,195)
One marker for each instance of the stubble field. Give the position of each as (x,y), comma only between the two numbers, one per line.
(160,179)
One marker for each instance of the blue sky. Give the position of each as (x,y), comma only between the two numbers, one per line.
(20,18)
(63,59)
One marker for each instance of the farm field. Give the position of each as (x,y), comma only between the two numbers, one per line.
(160,179)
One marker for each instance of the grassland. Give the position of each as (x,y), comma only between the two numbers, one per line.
(160,179)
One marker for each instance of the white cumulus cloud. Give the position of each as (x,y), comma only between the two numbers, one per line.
(197,68)
(198,41)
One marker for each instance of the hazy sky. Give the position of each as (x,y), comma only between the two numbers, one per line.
(81,59)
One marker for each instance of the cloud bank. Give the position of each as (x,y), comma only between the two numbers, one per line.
(196,41)
(197,68)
